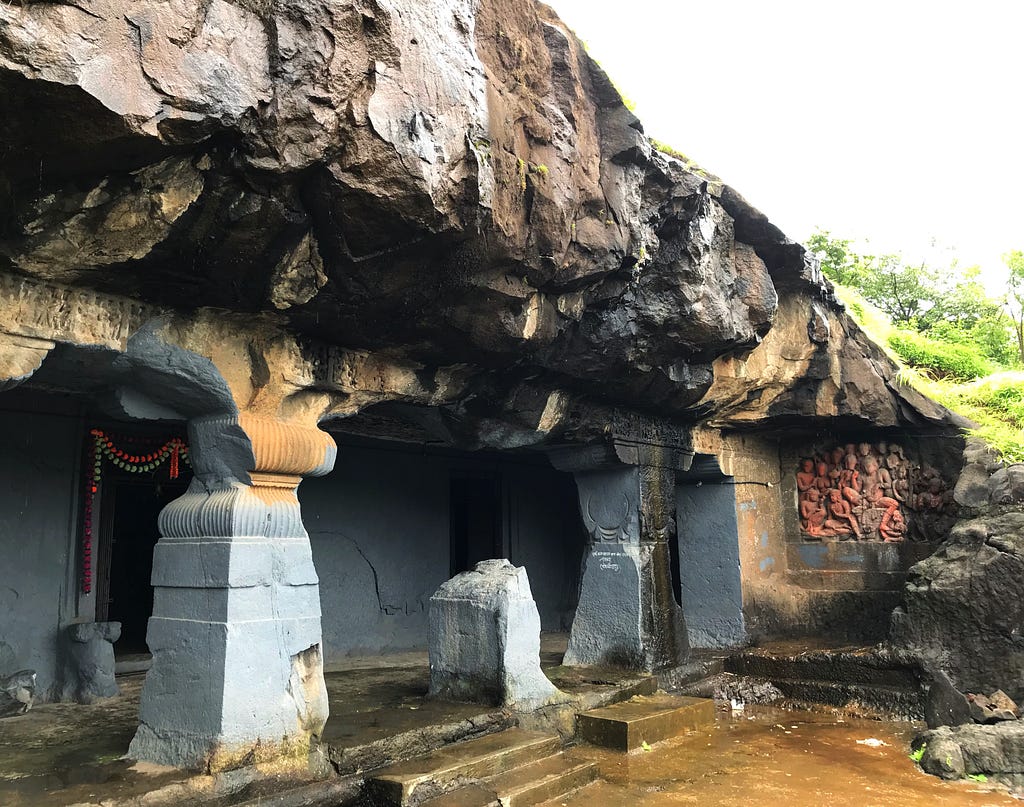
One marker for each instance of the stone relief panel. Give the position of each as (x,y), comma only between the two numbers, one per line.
(871,492)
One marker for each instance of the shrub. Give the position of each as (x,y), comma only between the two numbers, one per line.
(943,359)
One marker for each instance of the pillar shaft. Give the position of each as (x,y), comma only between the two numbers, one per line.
(627,614)
(237,671)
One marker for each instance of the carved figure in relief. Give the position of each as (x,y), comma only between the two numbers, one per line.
(822,481)
(849,480)
(861,489)
(931,498)
(901,488)
(893,527)
(842,521)
(874,487)
(805,477)
(813,513)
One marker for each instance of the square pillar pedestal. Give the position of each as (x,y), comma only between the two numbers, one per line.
(237,673)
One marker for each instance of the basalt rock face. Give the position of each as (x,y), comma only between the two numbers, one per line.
(961,612)
(452,183)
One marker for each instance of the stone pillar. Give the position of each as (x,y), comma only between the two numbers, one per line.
(237,672)
(627,614)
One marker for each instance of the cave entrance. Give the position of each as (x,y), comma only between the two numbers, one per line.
(707,530)
(475,520)
(406,508)
(125,509)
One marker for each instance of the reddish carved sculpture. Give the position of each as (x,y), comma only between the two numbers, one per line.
(861,491)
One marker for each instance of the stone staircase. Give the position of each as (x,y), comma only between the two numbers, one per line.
(517,768)
(513,768)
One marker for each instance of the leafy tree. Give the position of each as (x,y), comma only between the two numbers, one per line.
(948,305)
(1015,297)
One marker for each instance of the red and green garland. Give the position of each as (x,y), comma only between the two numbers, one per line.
(143,457)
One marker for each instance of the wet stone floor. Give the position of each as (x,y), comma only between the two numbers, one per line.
(61,754)
(776,758)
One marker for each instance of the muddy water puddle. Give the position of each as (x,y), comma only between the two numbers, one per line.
(775,758)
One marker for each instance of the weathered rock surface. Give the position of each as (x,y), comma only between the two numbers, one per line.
(962,611)
(985,480)
(497,209)
(993,708)
(953,752)
(485,639)
(945,705)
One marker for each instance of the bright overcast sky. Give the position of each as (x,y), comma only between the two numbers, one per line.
(896,122)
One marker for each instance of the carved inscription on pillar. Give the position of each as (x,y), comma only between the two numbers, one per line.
(871,492)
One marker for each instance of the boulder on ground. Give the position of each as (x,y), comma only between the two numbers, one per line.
(992,708)
(953,752)
(1006,486)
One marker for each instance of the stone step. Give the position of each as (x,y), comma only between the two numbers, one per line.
(850,666)
(476,759)
(543,780)
(468,796)
(628,725)
(525,786)
(842,580)
(892,702)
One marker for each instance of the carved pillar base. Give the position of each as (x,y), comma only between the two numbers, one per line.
(627,615)
(237,672)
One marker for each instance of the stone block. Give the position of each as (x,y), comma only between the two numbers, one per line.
(485,639)
(89,661)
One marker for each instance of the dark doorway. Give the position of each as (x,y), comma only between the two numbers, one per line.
(475,521)
(125,595)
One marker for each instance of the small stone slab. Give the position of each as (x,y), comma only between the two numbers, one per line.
(628,725)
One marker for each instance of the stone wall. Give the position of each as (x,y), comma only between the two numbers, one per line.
(379,527)
(40,455)
(794,585)
(709,562)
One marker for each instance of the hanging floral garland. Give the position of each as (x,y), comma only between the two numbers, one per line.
(105,446)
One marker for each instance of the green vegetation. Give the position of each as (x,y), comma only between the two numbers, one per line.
(952,342)
(977,777)
(689,164)
(918,755)
(946,304)
(665,148)
(1015,297)
(944,359)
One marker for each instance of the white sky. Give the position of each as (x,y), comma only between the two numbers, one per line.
(898,122)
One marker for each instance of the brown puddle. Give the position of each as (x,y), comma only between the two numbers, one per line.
(775,758)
